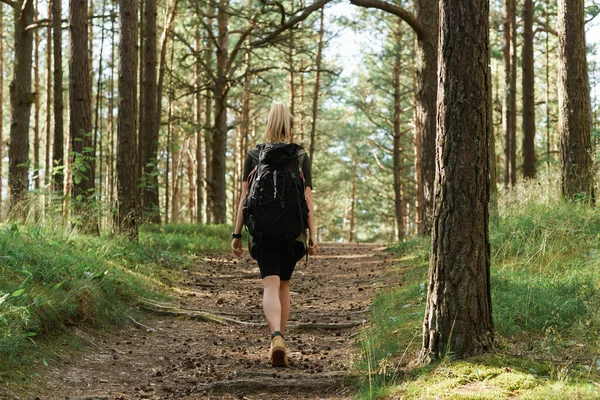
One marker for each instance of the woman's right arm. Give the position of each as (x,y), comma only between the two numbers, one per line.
(312,242)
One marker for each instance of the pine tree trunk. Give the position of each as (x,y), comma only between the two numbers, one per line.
(397,156)
(199,135)
(58,153)
(207,131)
(126,131)
(20,100)
(80,128)
(426,96)
(47,163)
(529,159)
(513,93)
(219,139)
(458,316)
(315,103)
(507,104)
(148,131)
(352,203)
(1,101)
(110,164)
(98,142)
(36,113)
(577,170)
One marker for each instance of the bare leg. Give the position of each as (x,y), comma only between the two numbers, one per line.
(284,300)
(271,303)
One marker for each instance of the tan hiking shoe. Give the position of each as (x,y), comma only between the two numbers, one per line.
(278,356)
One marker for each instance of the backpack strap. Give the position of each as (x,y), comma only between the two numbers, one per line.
(301,157)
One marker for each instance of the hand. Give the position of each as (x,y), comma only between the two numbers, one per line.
(312,246)
(236,246)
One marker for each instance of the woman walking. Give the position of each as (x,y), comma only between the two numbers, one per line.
(276,260)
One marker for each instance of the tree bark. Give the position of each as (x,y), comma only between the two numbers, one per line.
(529,159)
(47,163)
(397,133)
(513,93)
(315,103)
(81,118)
(1,99)
(577,171)
(219,138)
(58,153)
(148,131)
(199,134)
(20,100)
(427,65)
(36,113)
(207,131)
(352,202)
(458,316)
(126,131)
(507,104)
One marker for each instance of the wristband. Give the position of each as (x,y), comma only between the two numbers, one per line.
(236,235)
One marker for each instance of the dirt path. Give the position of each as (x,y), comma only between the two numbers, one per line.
(187,358)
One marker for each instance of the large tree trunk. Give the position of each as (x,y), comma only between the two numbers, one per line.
(458,316)
(126,132)
(577,174)
(315,103)
(58,153)
(529,160)
(427,61)
(20,101)
(219,138)
(148,132)
(397,156)
(80,114)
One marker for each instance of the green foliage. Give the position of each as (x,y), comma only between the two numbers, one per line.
(545,292)
(53,280)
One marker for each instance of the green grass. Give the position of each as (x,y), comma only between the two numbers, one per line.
(54,280)
(545,293)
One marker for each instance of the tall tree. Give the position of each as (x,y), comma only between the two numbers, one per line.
(1,96)
(36,103)
(397,134)
(424,22)
(529,159)
(509,105)
(148,132)
(58,153)
(20,100)
(315,104)
(199,132)
(126,131)
(80,117)
(458,316)
(219,137)
(577,171)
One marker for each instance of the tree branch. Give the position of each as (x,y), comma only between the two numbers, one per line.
(9,2)
(406,16)
(291,23)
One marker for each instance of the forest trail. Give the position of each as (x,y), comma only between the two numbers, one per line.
(188,358)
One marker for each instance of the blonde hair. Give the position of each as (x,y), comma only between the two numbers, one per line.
(279,124)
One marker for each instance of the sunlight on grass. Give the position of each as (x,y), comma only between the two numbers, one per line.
(545,292)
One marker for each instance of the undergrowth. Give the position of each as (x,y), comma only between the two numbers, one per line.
(545,257)
(55,282)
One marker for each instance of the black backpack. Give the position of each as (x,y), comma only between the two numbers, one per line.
(275,210)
